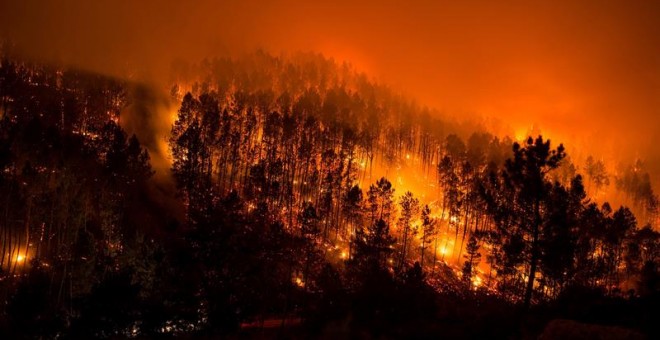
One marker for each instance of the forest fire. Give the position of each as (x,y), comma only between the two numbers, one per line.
(203,187)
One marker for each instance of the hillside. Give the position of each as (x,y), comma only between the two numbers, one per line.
(306,192)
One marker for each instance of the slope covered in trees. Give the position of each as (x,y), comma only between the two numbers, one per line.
(314,199)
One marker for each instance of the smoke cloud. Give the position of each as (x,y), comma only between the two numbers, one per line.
(586,73)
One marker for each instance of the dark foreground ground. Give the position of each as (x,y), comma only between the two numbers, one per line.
(577,316)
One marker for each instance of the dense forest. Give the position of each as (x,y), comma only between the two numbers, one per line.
(310,201)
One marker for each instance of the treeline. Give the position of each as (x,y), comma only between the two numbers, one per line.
(286,147)
(276,162)
(519,209)
(72,185)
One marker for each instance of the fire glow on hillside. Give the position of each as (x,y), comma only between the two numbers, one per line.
(428,169)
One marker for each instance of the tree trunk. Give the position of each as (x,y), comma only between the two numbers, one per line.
(403,251)
(465,227)
(435,254)
(421,260)
(534,256)
(530,280)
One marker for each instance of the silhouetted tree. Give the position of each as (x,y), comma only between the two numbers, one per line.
(380,205)
(597,173)
(517,203)
(472,258)
(429,234)
(409,211)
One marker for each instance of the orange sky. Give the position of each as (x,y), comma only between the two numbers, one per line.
(581,72)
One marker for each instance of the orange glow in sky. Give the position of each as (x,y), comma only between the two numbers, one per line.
(587,72)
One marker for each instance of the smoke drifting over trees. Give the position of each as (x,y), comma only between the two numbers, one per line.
(579,70)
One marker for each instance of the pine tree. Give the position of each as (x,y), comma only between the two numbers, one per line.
(409,211)
(516,201)
(429,233)
(472,259)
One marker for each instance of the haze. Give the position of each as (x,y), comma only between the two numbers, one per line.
(588,74)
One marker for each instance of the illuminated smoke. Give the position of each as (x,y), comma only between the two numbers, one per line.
(586,73)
